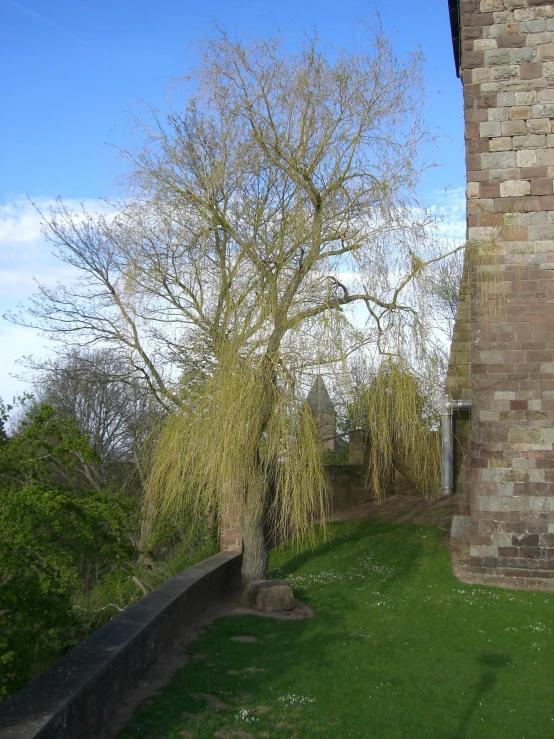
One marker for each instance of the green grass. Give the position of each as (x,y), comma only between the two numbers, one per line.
(398,648)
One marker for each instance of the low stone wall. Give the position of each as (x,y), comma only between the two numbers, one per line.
(75,698)
(350,487)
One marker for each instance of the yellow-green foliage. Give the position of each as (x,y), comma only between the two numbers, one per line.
(242,437)
(401,432)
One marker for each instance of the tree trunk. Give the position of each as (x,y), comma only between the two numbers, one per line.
(255,558)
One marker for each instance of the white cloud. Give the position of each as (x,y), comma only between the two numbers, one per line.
(26,256)
(449,206)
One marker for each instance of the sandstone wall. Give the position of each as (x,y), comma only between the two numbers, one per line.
(508,80)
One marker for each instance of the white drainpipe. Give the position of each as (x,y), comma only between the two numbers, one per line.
(448,406)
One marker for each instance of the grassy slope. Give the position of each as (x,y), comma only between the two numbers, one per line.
(398,648)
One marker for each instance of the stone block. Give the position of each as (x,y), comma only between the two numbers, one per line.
(505,99)
(539,126)
(489,129)
(513,128)
(506,72)
(511,41)
(539,39)
(519,112)
(546,96)
(483,551)
(512,173)
(521,56)
(546,52)
(494,113)
(481,75)
(514,188)
(528,97)
(476,207)
(497,57)
(498,160)
(532,141)
(489,5)
(541,187)
(545,157)
(473,59)
(529,71)
(542,9)
(526,158)
(483,44)
(523,14)
(250,594)
(548,68)
(532,26)
(275,598)
(542,110)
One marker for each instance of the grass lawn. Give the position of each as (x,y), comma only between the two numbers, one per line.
(397,648)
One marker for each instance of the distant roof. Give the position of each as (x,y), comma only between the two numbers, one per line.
(454,8)
(318,397)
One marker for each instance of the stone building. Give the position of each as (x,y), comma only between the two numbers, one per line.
(323,411)
(503,347)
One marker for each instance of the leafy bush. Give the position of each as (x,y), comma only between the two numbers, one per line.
(58,534)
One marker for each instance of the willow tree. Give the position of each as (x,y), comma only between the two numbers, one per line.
(276,199)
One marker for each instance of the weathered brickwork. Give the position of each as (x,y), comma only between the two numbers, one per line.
(507,69)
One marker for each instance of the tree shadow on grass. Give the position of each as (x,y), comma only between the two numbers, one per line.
(492,663)
(402,559)
(288,660)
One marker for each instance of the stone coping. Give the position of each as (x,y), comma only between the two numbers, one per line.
(75,697)
(503,577)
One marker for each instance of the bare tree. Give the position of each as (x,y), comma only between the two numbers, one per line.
(113,408)
(281,197)
(443,286)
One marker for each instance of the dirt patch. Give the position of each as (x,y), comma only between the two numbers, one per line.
(403,509)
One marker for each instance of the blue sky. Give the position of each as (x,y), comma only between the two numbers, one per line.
(72,71)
